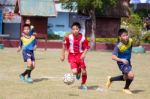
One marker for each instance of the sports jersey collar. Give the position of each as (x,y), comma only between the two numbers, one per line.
(77,35)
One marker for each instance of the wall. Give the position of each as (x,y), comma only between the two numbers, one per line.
(105,27)
(59,25)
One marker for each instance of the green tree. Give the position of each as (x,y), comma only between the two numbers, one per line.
(90,7)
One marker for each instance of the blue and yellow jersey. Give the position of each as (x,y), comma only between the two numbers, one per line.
(123,50)
(28,42)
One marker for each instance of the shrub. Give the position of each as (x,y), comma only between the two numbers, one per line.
(146,37)
(105,40)
(54,37)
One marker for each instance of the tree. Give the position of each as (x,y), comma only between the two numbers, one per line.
(90,8)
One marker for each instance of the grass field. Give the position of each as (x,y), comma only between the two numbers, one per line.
(49,71)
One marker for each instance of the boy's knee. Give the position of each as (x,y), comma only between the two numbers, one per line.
(74,71)
(131,75)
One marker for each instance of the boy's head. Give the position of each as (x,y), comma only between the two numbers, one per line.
(123,35)
(26,29)
(76,27)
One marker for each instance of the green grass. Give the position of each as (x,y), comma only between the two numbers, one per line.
(49,71)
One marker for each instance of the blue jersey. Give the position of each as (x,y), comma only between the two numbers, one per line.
(123,51)
(28,43)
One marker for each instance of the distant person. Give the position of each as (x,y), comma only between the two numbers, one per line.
(122,54)
(147,23)
(28,45)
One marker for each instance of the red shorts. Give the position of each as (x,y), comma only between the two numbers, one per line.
(76,62)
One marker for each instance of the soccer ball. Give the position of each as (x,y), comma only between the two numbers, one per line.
(69,78)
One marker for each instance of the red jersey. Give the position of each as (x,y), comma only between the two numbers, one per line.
(76,44)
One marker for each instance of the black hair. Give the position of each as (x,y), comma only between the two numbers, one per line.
(26,25)
(121,31)
(76,24)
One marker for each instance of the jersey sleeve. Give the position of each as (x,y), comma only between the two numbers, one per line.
(116,50)
(66,42)
(85,44)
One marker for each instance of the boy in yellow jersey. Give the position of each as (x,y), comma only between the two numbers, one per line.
(122,54)
(28,45)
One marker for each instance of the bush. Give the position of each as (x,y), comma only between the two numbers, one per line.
(54,37)
(146,37)
(135,34)
(105,40)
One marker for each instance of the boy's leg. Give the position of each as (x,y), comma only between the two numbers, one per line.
(29,69)
(84,74)
(84,79)
(111,79)
(130,77)
(78,73)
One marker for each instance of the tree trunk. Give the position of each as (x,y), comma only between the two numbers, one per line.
(93,31)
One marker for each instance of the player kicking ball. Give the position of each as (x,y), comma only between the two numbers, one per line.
(122,54)
(77,47)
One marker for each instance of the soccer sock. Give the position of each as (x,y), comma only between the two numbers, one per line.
(29,73)
(84,78)
(117,78)
(25,72)
(128,82)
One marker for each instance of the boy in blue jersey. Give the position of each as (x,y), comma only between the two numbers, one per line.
(122,54)
(28,45)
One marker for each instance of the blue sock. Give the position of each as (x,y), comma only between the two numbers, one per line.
(117,78)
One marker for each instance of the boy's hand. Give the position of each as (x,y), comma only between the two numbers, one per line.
(82,56)
(19,49)
(62,58)
(124,61)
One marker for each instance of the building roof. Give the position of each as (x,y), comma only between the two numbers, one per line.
(43,8)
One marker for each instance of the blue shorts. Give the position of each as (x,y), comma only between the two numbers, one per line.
(28,54)
(125,68)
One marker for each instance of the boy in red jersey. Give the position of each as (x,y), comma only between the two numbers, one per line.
(77,47)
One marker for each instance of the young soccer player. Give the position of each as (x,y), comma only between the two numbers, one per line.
(122,54)
(77,47)
(28,45)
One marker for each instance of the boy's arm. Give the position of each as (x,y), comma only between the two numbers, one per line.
(35,45)
(86,48)
(62,57)
(116,58)
(84,54)
(20,46)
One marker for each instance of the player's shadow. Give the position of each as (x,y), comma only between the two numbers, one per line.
(137,91)
(74,95)
(39,79)
(94,87)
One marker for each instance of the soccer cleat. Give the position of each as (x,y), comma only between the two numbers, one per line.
(109,82)
(78,76)
(29,80)
(127,91)
(84,87)
(22,78)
